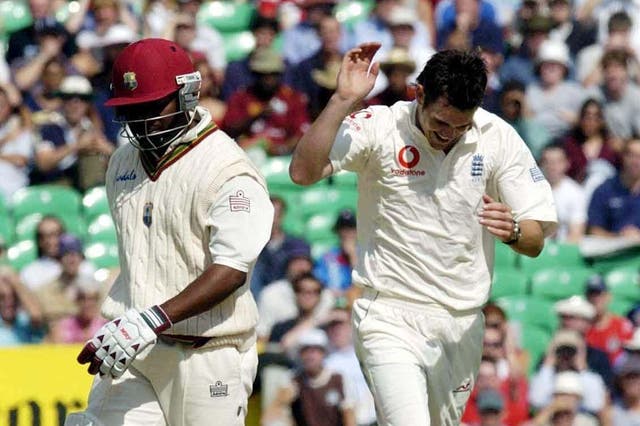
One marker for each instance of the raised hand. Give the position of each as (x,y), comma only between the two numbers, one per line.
(358,72)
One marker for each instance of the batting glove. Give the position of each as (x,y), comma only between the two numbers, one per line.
(118,342)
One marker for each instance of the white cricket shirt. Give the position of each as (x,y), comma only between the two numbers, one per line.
(418,232)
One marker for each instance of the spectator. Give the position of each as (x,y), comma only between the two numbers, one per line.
(16,142)
(41,98)
(82,325)
(397,67)
(58,297)
(20,315)
(277,302)
(614,210)
(328,55)
(609,331)
(492,52)
(272,261)
(571,203)
(619,95)
(238,75)
(470,25)
(630,349)
(576,314)
(567,353)
(490,408)
(342,359)
(591,149)
(626,408)
(209,88)
(568,29)
(520,65)
(515,111)
(554,99)
(334,268)
(315,396)
(564,407)
(268,112)
(73,151)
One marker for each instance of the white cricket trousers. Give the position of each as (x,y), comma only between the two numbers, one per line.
(174,384)
(420,360)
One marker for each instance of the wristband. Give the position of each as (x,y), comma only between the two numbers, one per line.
(156,318)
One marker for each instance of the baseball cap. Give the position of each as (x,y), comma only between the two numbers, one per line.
(346,219)
(266,61)
(631,365)
(297,248)
(596,284)
(75,86)
(398,57)
(566,337)
(402,16)
(489,399)
(553,51)
(575,306)
(568,382)
(69,244)
(314,337)
(146,71)
(118,34)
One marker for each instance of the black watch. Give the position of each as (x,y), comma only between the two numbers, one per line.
(517,233)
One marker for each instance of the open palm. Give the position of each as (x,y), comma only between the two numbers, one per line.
(357,76)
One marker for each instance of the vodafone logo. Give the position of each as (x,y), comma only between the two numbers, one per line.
(409,157)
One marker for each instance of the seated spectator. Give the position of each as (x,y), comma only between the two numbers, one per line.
(567,353)
(334,268)
(397,67)
(73,151)
(47,267)
(209,88)
(626,407)
(469,25)
(342,359)
(576,314)
(20,315)
(630,349)
(520,65)
(491,409)
(590,143)
(268,112)
(515,111)
(41,98)
(315,395)
(82,325)
(564,408)
(271,264)
(614,210)
(58,297)
(16,142)
(277,301)
(571,203)
(554,99)
(575,33)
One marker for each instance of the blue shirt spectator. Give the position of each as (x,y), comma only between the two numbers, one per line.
(613,206)
(334,270)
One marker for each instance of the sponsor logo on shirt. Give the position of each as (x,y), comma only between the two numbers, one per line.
(218,389)
(125,176)
(239,203)
(147,218)
(536,174)
(351,118)
(408,158)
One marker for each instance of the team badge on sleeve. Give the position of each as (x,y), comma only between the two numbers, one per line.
(239,203)
(146,215)
(536,174)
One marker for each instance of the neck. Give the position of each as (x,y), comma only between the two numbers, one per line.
(632,183)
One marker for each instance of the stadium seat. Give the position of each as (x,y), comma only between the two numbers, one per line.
(319,227)
(621,306)
(321,247)
(345,179)
(505,257)
(348,13)
(22,253)
(238,45)
(508,282)
(102,255)
(27,226)
(14,15)
(529,311)
(554,254)
(624,282)
(46,199)
(7,229)
(559,282)
(102,229)
(316,200)
(276,171)
(535,341)
(95,203)
(226,16)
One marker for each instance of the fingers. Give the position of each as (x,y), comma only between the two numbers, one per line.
(363,52)
(94,367)
(87,353)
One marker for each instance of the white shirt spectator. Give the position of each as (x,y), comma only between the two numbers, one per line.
(571,206)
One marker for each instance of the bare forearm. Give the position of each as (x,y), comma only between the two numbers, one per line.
(311,155)
(601,232)
(28,75)
(214,285)
(49,159)
(531,241)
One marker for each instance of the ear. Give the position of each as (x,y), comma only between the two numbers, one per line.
(420,94)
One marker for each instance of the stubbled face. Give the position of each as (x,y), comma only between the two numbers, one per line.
(443,124)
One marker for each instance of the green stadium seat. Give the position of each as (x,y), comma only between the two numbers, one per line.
(22,253)
(508,282)
(621,306)
(95,203)
(46,199)
(624,282)
(27,226)
(14,15)
(529,311)
(319,248)
(505,257)
(554,254)
(7,229)
(102,255)
(226,16)
(319,227)
(102,229)
(349,13)
(276,171)
(535,341)
(238,45)
(559,282)
(316,200)
(345,179)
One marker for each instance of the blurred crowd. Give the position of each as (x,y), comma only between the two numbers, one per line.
(563,73)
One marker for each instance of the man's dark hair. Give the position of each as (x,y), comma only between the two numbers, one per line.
(619,21)
(459,76)
(296,283)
